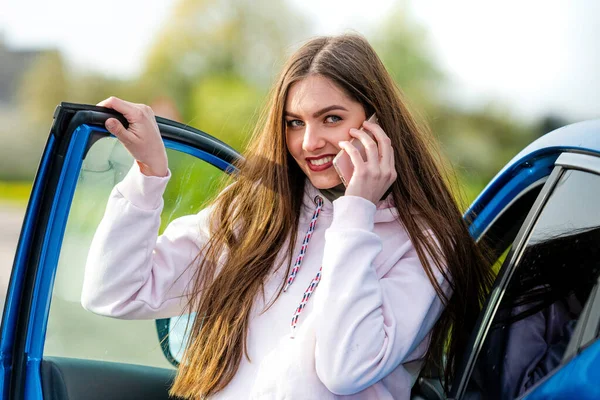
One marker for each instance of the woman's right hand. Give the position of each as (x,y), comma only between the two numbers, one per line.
(142,138)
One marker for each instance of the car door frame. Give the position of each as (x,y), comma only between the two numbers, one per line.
(74,129)
(586,330)
(586,161)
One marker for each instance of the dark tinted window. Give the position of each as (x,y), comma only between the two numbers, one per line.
(545,296)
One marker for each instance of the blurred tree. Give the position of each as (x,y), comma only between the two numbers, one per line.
(213,61)
(403,47)
(232,39)
(550,122)
(25,127)
(90,88)
(478,142)
(226,106)
(42,87)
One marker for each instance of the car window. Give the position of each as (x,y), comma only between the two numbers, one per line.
(495,241)
(501,233)
(76,333)
(591,330)
(544,298)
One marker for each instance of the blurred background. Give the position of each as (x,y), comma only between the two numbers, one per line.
(489,77)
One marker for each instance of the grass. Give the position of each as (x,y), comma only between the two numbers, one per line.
(16,193)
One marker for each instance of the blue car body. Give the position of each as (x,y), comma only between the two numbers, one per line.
(531,164)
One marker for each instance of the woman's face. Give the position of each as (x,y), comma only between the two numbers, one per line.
(318,115)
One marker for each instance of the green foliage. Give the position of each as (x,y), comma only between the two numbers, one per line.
(15,192)
(215,59)
(402,46)
(227,107)
(42,87)
(480,142)
(91,89)
(205,38)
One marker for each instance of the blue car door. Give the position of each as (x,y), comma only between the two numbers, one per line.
(537,334)
(49,346)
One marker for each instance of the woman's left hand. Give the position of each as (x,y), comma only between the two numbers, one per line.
(373,177)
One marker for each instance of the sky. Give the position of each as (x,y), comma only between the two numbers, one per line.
(530,57)
(538,56)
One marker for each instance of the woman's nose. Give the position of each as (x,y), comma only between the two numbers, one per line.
(313,139)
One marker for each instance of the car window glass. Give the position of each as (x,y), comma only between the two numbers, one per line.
(75,332)
(179,328)
(498,263)
(590,331)
(543,300)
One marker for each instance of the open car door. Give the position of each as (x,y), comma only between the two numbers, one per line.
(50,347)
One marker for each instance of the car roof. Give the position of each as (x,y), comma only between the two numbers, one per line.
(581,136)
(530,165)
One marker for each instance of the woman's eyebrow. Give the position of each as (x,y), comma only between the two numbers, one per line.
(329,108)
(318,113)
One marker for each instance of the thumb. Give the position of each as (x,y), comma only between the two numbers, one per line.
(116,128)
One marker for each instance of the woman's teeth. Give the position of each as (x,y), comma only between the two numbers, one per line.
(321,161)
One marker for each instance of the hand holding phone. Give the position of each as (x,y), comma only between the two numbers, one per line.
(342,162)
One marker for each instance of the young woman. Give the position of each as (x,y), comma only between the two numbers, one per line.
(303,288)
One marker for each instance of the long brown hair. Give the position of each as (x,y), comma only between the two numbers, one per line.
(257,215)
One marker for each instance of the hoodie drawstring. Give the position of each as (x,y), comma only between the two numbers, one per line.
(313,284)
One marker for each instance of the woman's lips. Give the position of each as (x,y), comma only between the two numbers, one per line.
(320,164)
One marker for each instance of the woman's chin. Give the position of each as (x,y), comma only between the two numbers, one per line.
(325,182)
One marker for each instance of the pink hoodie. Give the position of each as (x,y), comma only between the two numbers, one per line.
(361,334)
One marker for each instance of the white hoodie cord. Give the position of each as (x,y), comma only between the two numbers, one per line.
(313,284)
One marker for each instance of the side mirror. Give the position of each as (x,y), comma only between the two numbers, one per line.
(173,334)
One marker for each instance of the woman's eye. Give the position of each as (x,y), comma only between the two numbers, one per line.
(294,123)
(332,119)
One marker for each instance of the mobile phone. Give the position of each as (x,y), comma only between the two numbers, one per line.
(342,162)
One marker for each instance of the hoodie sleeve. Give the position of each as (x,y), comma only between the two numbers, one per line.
(368,325)
(131,272)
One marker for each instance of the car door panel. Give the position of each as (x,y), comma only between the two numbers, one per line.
(565,225)
(11,314)
(496,231)
(576,380)
(25,371)
(73,379)
(46,213)
(459,387)
(44,276)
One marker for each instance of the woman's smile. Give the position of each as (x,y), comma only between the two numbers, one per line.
(320,163)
